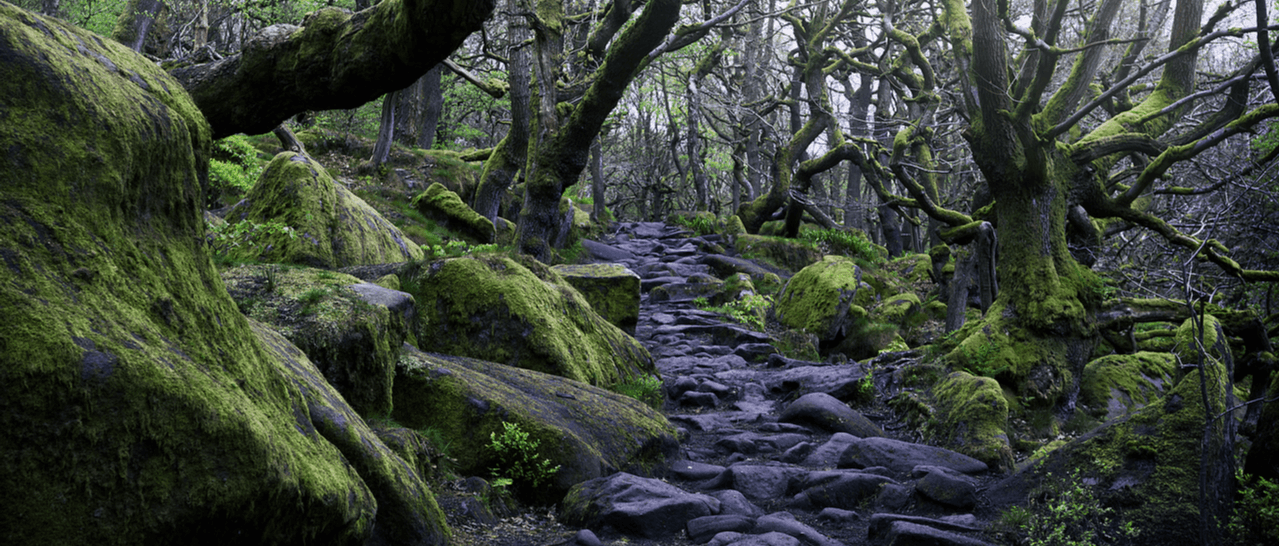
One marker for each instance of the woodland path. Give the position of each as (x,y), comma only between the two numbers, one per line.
(770,438)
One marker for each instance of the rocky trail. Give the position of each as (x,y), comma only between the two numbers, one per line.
(771,452)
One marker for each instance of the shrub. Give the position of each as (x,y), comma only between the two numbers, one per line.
(233,168)
(1067,514)
(518,457)
(845,242)
(1254,520)
(749,310)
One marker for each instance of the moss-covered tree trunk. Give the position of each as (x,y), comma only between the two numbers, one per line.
(335,61)
(511,154)
(136,21)
(560,158)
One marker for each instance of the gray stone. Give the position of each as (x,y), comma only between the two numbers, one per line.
(785,523)
(904,456)
(824,410)
(703,529)
(841,489)
(905,533)
(690,470)
(635,506)
(735,503)
(836,515)
(586,538)
(947,489)
(893,497)
(759,482)
(767,539)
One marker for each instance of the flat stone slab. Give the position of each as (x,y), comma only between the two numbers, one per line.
(903,457)
(636,506)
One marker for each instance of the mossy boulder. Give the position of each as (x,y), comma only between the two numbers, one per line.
(332,227)
(589,432)
(897,308)
(765,280)
(971,417)
(139,405)
(789,254)
(448,210)
(517,311)
(1146,466)
(1115,385)
(329,317)
(612,290)
(818,298)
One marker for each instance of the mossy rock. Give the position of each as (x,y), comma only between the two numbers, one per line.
(686,291)
(1145,466)
(447,209)
(1116,385)
(520,313)
(897,308)
(332,227)
(139,405)
(818,298)
(765,280)
(589,432)
(354,344)
(733,227)
(789,254)
(1184,340)
(971,417)
(735,287)
(612,290)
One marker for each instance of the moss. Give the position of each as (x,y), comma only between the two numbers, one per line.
(897,308)
(789,254)
(812,298)
(612,290)
(445,207)
(733,227)
(972,417)
(1119,384)
(138,404)
(519,313)
(588,431)
(332,227)
(389,281)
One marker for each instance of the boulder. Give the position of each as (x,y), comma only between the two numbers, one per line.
(1116,385)
(331,227)
(633,505)
(828,413)
(447,209)
(587,431)
(766,280)
(903,457)
(612,290)
(788,254)
(518,312)
(139,405)
(845,489)
(972,418)
(352,331)
(818,298)
(947,489)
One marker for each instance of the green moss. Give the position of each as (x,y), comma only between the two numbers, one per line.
(612,290)
(1118,384)
(585,430)
(331,226)
(789,254)
(897,308)
(445,207)
(139,405)
(812,297)
(519,313)
(972,417)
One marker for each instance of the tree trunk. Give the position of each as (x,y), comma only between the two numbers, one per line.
(433,105)
(511,154)
(136,21)
(386,130)
(598,212)
(561,157)
(200,31)
(338,61)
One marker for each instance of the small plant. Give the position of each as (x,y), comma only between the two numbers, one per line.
(851,243)
(226,238)
(700,224)
(518,457)
(234,167)
(749,310)
(1255,519)
(647,389)
(310,299)
(1068,514)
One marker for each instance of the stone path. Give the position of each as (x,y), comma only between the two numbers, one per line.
(771,452)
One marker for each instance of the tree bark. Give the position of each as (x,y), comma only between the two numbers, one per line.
(598,211)
(335,61)
(136,21)
(561,157)
(386,130)
(511,154)
(432,106)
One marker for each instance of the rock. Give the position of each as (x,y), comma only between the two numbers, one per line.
(702,529)
(893,497)
(761,482)
(897,308)
(949,490)
(785,523)
(972,417)
(139,405)
(818,298)
(905,533)
(1116,385)
(735,503)
(585,537)
(903,457)
(824,411)
(407,512)
(828,454)
(612,290)
(698,399)
(353,343)
(879,524)
(633,505)
(766,280)
(840,489)
(332,227)
(838,516)
(447,209)
(767,539)
(520,313)
(607,253)
(587,431)
(789,254)
(690,470)
(846,383)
